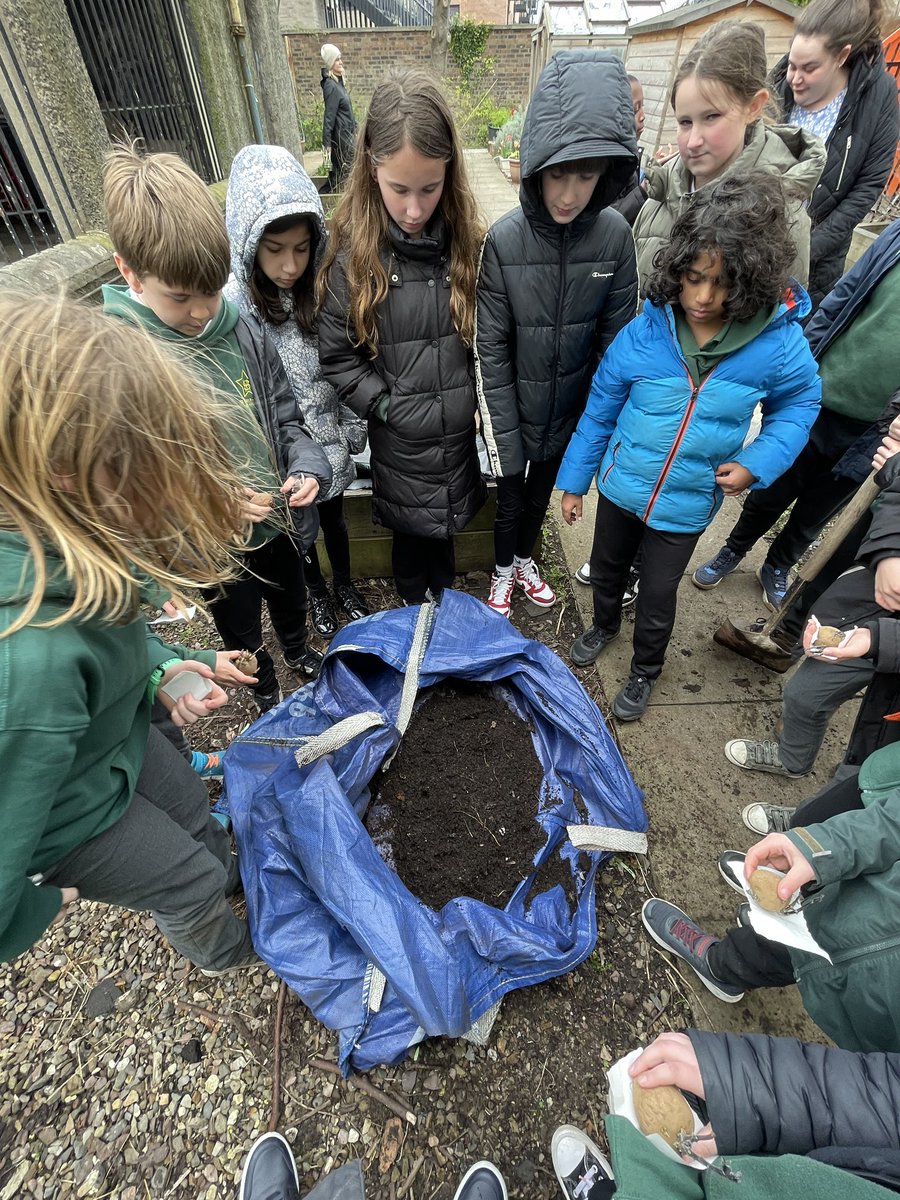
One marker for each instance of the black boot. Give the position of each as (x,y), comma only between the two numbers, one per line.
(324,616)
(350,601)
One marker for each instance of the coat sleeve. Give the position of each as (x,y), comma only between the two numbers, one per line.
(609,392)
(332,103)
(301,455)
(347,367)
(495,366)
(789,410)
(621,302)
(767,1095)
(834,230)
(819,326)
(883,538)
(353,430)
(862,842)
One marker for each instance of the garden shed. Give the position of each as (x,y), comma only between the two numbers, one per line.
(656,47)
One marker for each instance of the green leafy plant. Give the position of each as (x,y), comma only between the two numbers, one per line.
(510,136)
(312,118)
(468,40)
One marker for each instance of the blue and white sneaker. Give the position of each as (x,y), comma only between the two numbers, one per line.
(774,582)
(712,573)
(676,932)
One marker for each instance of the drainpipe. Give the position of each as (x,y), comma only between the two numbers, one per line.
(240,37)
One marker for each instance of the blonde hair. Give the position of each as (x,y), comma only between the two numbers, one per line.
(111,459)
(163,220)
(407,109)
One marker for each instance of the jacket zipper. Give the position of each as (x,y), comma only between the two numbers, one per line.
(849,956)
(559,306)
(844,163)
(679,438)
(612,461)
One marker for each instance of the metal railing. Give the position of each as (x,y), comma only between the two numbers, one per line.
(139,61)
(368,14)
(26,225)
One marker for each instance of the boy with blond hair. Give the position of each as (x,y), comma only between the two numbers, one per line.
(172,250)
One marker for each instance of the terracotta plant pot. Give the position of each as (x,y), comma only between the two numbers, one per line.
(514,170)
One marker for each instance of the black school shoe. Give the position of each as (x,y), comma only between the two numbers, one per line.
(323,614)
(350,601)
(308,664)
(270,1171)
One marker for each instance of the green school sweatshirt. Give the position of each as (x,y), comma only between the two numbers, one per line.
(74,718)
(861,367)
(216,353)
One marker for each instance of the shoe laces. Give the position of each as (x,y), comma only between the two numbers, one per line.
(778,816)
(529,572)
(502,588)
(764,754)
(780,577)
(724,558)
(690,936)
(636,686)
(212,760)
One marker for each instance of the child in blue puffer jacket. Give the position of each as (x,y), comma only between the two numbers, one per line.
(672,402)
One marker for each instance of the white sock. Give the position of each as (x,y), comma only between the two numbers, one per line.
(521,563)
(503,571)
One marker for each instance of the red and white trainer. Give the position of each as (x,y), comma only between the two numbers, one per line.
(500,597)
(537,590)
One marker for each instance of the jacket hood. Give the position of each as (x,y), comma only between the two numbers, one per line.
(797,156)
(581,108)
(265,184)
(120,301)
(864,70)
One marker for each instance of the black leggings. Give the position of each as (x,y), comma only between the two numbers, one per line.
(522,502)
(422,564)
(337,546)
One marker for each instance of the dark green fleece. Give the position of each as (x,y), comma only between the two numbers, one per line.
(733,334)
(74,718)
(216,353)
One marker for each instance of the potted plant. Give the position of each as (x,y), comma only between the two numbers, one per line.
(508,144)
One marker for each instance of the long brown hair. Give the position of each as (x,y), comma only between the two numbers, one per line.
(110,460)
(267,296)
(733,55)
(407,109)
(840,23)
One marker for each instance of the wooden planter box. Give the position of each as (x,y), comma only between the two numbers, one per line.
(370,544)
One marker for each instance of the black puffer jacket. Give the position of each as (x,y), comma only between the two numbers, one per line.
(861,150)
(552,297)
(767,1095)
(339,124)
(425,474)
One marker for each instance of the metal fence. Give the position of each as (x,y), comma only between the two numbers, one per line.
(371,14)
(140,63)
(26,225)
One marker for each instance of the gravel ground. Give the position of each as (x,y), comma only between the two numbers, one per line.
(125,1073)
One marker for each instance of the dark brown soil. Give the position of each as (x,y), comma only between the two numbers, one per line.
(455,813)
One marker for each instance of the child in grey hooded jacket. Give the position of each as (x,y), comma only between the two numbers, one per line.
(277,230)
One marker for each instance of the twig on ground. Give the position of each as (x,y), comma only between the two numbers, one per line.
(363,1085)
(236,1022)
(275,1110)
(410,1179)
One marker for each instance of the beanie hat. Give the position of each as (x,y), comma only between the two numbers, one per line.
(330,55)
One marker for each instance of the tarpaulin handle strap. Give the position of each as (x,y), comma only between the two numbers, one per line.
(337,736)
(603,837)
(418,646)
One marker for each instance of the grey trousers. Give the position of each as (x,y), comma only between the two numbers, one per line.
(811,697)
(168,856)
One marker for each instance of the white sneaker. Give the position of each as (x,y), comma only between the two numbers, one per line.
(536,589)
(583,574)
(500,597)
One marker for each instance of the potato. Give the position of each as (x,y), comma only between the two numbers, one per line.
(827,635)
(764,889)
(662,1110)
(261,498)
(246,663)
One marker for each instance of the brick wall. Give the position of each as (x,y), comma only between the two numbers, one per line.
(369,54)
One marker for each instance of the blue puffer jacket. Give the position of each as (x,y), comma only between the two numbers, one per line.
(661,439)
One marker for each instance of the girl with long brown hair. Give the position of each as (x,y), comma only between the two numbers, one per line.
(397,296)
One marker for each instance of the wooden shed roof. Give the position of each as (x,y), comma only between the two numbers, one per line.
(690,12)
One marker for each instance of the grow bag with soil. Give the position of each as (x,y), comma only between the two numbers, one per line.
(369,957)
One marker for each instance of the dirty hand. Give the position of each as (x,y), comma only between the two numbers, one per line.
(68,895)
(888,448)
(256,506)
(571,507)
(733,479)
(779,852)
(188,709)
(672,1061)
(302,490)
(857,645)
(225,670)
(887,584)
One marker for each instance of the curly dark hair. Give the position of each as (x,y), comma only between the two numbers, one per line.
(744,218)
(267,297)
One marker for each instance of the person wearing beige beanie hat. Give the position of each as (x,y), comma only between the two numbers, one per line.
(339,125)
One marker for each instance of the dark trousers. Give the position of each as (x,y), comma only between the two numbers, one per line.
(168,856)
(421,564)
(277,577)
(744,959)
(810,485)
(618,535)
(839,796)
(522,502)
(337,543)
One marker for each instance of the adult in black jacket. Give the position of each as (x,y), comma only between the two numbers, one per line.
(557,282)
(834,83)
(339,123)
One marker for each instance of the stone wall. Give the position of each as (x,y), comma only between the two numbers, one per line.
(369,54)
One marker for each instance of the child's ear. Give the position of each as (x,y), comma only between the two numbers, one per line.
(757,104)
(128,274)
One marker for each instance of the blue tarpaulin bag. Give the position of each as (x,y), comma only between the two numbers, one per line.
(326,912)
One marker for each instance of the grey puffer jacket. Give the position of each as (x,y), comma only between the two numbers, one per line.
(268,183)
(552,297)
(426,478)
(792,153)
